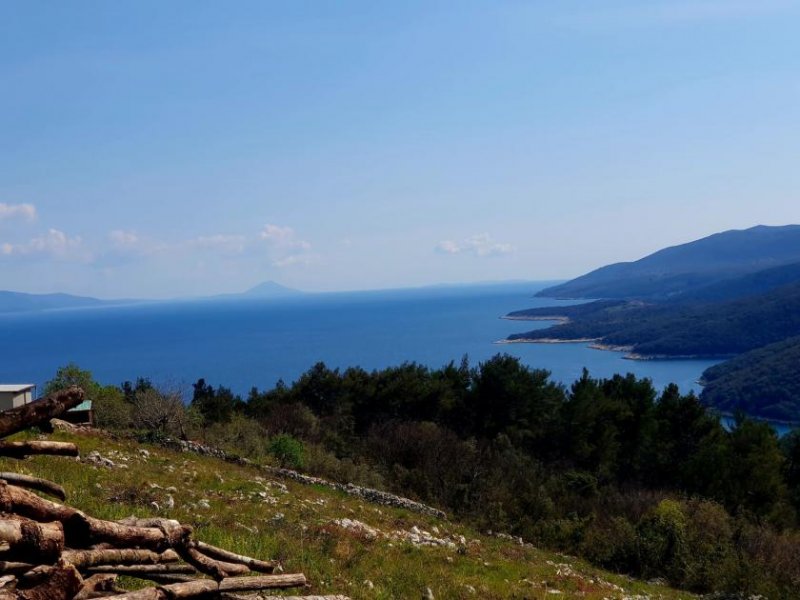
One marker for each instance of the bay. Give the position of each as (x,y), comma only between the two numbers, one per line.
(246,343)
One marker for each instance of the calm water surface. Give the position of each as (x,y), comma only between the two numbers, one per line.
(254,343)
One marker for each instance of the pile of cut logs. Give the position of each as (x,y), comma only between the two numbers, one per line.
(52,551)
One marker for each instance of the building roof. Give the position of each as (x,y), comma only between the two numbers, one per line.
(16,387)
(85,405)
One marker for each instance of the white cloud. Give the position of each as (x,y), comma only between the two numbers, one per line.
(17,211)
(284,246)
(279,245)
(477,245)
(53,244)
(448,247)
(282,237)
(294,259)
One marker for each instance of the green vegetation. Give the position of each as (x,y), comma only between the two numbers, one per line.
(643,483)
(764,382)
(669,329)
(729,294)
(252,513)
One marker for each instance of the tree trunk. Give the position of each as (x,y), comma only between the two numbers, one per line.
(34,483)
(63,584)
(28,541)
(84,559)
(254,564)
(39,411)
(23,449)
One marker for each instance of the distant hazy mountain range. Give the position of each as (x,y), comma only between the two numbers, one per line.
(15,302)
(735,293)
(21,302)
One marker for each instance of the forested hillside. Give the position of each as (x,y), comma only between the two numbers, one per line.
(667,329)
(764,382)
(641,481)
(719,297)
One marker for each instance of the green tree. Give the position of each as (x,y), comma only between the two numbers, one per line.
(70,375)
(216,405)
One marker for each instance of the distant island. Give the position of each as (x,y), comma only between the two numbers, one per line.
(20,302)
(16,302)
(266,289)
(732,294)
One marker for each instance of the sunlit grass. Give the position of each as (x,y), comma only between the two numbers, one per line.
(303,539)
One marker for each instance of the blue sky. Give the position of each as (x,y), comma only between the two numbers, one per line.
(161,149)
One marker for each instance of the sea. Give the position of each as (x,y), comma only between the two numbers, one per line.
(246,343)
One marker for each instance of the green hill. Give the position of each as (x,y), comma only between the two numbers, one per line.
(764,382)
(709,329)
(676,270)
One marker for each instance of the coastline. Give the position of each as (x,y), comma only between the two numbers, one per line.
(545,341)
(727,415)
(556,318)
(627,350)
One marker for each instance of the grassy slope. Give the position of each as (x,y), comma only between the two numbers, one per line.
(304,539)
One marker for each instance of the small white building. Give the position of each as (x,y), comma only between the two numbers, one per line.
(13,395)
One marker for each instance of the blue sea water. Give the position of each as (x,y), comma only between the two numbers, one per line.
(246,343)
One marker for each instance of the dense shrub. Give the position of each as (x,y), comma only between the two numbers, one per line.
(611,543)
(240,436)
(111,411)
(287,450)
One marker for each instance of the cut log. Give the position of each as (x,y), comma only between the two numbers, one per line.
(36,575)
(214,568)
(23,449)
(39,411)
(86,530)
(63,583)
(16,568)
(34,483)
(156,573)
(84,559)
(165,578)
(262,582)
(95,584)
(82,530)
(202,588)
(263,597)
(137,569)
(254,564)
(16,500)
(30,541)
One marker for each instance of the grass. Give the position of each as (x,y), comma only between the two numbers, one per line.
(253,514)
